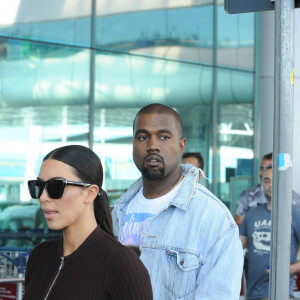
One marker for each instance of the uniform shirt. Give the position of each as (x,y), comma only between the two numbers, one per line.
(257,227)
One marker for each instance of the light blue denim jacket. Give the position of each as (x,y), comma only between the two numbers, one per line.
(191,248)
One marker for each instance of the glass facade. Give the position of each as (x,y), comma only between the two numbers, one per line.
(51,95)
(235,40)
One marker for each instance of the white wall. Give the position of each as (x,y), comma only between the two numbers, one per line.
(267,91)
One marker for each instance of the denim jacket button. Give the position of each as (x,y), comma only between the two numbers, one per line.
(182,262)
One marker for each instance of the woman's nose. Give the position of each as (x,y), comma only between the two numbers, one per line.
(44,197)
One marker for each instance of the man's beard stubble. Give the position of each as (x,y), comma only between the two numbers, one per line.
(153,174)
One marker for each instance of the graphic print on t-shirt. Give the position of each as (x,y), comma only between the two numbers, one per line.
(139,213)
(134,227)
(262,236)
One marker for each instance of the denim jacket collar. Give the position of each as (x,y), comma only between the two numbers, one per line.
(181,200)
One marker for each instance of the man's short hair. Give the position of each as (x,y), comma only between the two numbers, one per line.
(268,156)
(157,108)
(197,155)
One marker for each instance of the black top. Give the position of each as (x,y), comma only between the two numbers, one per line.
(101,268)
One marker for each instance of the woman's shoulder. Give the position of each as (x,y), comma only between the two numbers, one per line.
(125,270)
(47,246)
(120,253)
(115,245)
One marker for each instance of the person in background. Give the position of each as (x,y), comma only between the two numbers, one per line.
(255,234)
(255,195)
(193,158)
(87,262)
(188,239)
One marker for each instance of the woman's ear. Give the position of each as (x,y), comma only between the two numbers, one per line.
(92,192)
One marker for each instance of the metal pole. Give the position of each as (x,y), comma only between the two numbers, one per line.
(282,150)
(20,287)
(214,106)
(92,75)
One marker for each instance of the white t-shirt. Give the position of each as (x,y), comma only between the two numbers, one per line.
(139,213)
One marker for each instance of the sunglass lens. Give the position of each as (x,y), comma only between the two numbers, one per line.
(55,188)
(35,188)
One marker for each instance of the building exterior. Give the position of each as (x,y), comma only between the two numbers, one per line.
(78,71)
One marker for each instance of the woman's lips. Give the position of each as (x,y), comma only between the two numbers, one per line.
(49,214)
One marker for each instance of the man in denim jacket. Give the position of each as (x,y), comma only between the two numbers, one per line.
(188,239)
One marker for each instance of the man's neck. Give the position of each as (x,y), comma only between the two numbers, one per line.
(269,204)
(157,188)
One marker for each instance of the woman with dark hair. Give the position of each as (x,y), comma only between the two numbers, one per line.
(87,262)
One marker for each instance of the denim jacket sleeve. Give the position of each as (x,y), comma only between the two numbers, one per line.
(220,276)
(115,222)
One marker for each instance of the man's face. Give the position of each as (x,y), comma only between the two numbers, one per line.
(263,163)
(157,146)
(267,183)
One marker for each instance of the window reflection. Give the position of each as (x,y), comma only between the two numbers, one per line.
(235,139)
(46,75)
(176,33)
(133,81)
(235,39)
(35,118)
(196,128)
(113,144)
(57,21)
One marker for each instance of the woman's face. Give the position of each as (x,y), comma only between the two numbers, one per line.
(70,208)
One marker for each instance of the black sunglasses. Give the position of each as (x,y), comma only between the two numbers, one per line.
(54,187)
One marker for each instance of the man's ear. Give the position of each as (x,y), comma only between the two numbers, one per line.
(182,145)
(92,192)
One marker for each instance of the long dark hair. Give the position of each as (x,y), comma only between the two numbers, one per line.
(88,168)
